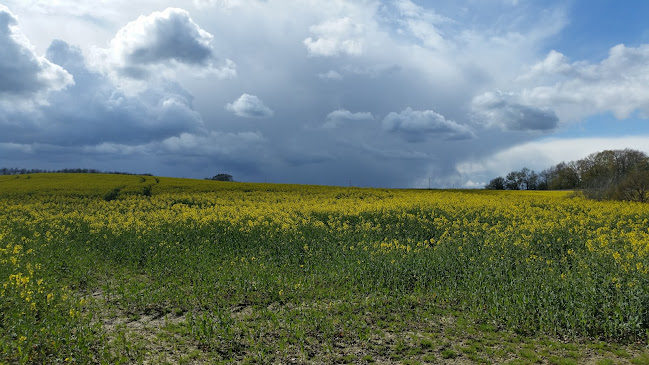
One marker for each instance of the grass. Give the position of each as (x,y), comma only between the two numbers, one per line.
(129,269)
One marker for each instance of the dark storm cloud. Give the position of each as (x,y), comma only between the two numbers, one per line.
(22,72)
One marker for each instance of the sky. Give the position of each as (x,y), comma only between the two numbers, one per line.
(391,93)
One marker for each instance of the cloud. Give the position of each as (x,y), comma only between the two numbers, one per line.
(415,125)
(330,75)
(23,74)
(249,106)
(497,109)
(205,154)
(96,9)
(340,116)
(335,37)
(420,23)
(167,39)
(94,110)
(170,35)
(95,120)
(210,144)
(554,63)
(575,90)
(223,4)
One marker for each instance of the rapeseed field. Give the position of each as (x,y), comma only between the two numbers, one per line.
(138,269)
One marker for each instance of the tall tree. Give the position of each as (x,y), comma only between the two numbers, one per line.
(496,184)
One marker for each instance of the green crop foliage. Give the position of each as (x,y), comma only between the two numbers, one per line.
(103,268)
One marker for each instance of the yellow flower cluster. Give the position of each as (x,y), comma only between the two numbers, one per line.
(20,279)
(525,220)
(546,227)
(566,237)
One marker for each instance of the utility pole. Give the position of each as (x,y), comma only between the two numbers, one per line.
(429,183)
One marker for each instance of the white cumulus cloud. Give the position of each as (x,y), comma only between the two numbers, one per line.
(340,116)
(416,125)
(23,74)
(576,90)
(94,110)
(166,39)
(335,37)
(249,106)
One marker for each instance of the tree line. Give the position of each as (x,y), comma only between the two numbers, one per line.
(23,171)
(221,177)
(607,175)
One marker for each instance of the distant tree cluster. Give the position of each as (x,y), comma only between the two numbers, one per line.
(524,179)
(606,175)
(16,171)
(221,177)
